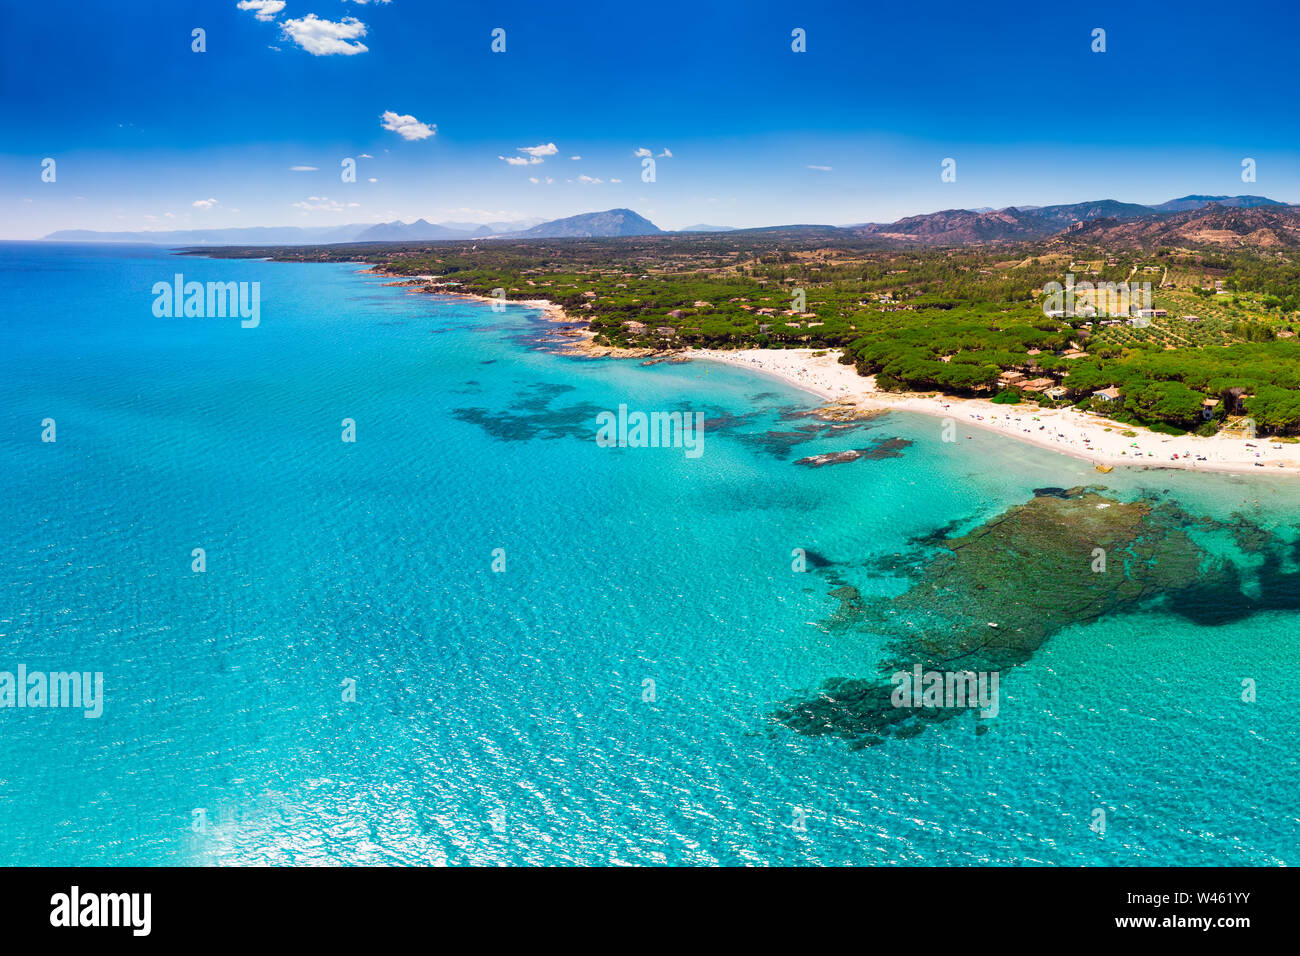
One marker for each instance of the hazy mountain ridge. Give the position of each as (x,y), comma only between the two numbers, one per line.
(1194,219)
(307,235)
(1184,203)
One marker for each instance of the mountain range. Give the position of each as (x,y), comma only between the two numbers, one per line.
(1259,227)
(610,222)
(1196,219)
(964,226)
(395,231)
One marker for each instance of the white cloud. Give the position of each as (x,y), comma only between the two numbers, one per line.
(362,3)
(590,180)
(643,152)
(575,157)
(616,180)
(373,179)
(203,203)
(407,127)
(821,169)
(325,37)
(365,156)
(533,179)
(323,203)
(666,154)
(520,160)
(478,215)
(302,169)
(266,9)
(546,149)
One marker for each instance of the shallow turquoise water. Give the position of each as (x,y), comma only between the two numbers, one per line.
(500,716)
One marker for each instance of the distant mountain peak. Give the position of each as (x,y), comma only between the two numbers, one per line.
(610,222)
(1184,203)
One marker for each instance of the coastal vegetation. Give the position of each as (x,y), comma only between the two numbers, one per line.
(1218,347)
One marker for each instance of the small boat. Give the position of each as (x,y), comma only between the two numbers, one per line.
(1105,469)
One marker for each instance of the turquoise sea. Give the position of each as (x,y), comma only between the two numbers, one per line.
(608,697)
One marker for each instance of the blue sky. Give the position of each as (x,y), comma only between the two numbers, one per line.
(147,134)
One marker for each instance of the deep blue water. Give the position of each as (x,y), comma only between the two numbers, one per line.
(501,717)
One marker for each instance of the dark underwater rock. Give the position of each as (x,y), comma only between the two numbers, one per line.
(987,600)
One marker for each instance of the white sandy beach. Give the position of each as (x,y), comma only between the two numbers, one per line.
(1090,437)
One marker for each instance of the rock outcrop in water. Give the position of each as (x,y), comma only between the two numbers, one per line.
(885,448)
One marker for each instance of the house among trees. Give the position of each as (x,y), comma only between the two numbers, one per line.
(1207,408)
(1038,385)
(1107,394)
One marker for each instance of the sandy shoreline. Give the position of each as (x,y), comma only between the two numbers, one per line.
(1088,437)
(1091,438)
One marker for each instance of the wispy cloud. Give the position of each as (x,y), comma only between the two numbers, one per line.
(325,37)
(821,169)
(203,203)
(302,169)
(406,126)
(323,203)
(521,160)
(266,9)
(642,151)
(590,180)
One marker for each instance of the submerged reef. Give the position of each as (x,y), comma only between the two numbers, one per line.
(983,602)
